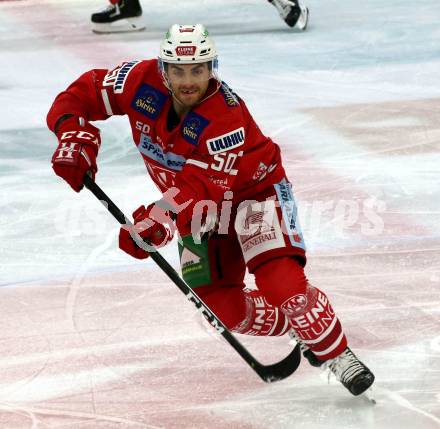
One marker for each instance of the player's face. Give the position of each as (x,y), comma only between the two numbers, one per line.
(189,82)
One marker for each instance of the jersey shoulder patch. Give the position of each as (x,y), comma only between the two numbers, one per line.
(118,76)
(227,141)
(231,99)
(193,126)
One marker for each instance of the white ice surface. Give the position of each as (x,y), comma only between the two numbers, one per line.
(93,339)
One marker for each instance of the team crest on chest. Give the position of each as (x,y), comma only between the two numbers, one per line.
(149,101)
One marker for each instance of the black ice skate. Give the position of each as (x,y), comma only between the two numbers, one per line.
(347,368)
(351,372)
(123,16)
(292,12)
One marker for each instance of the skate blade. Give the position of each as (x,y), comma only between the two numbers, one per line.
(303,19)
(127,25)
(369,395)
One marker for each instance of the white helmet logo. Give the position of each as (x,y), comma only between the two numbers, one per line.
(185,50)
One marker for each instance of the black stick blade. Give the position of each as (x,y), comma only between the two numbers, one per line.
(280,370)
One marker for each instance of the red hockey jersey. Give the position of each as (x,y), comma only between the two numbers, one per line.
(216,147)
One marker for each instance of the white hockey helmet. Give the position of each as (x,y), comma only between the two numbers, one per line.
(187,44)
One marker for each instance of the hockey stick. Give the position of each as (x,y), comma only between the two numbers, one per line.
(268,373)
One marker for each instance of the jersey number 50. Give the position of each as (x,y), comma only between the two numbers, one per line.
(225,162)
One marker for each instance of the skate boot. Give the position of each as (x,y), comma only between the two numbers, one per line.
(351,372)
(292,12)
(121,16)
(347,368)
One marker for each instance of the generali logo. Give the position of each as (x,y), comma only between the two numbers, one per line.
(182,51)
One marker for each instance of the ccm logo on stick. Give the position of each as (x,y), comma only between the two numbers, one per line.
(226,141)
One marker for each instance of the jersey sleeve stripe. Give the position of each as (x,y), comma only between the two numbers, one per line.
(200,164)
(105,99)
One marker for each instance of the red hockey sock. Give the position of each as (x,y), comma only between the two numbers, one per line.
(244,311)
(261,317)
(314,320)
(283,283)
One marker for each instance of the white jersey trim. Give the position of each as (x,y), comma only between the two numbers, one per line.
(332,347)
(200,164)
(324,335)
(105,99)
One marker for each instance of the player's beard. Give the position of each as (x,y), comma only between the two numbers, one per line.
(189,97)
(190,94)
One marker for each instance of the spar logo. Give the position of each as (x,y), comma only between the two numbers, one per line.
(226,141)
(185,51)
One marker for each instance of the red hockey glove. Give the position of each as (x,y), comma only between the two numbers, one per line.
(77,150)
(152,223)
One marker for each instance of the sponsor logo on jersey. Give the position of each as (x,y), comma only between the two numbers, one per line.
(260,318)
(155,152)
(290,212)
(189,259)
(149,101)
(256,224)
(258,229)
(229,95)
(220,182)
(295,305)
(118,76)
(316,321)
(226,141)
(261,172)
(183,51)
(193,126)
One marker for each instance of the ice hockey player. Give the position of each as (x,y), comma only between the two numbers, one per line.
(125,16)
(292,12)
(119,17)
(206,154)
